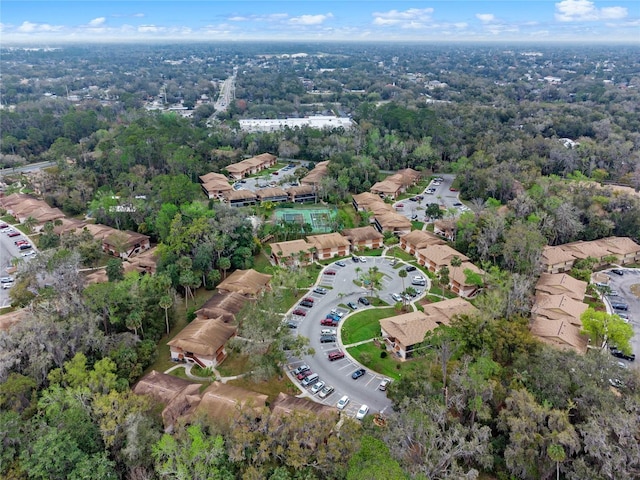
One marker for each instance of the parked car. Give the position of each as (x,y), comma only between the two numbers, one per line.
(397,297)
(25,246)
(320,290)
(20,242)
(340,263)
(362,412)
(327,338)
(304,374)
(292,324)
(300,369)
(329,272)
(328,322)
(7,286)
(358,373)
(363,259)
(309,379)
(355,258)
(335,355)
(326,391)
(306,303)
(308,299)
(6,280)
(620,354)
(619,306)
(336,312)
(410,268)
(342,403)
(400,205)
(300,312)
(317,387)
(333,316)
(3,225)
(328,331)
(418,280)
(617,271)
(352,306)
(457,204)
(384,384)
(13,234)
(364,301)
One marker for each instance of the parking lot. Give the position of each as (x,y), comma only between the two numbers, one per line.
(622,285)
(340,289)
(268,180)
(438,191)
(9,250)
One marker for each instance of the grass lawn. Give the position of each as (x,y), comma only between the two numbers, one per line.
(348,216)
(437,289)
(400,254)
(417,225)
(234,364)
(8,219)
(369,355)
(375,252)
(364,325)
(262,264)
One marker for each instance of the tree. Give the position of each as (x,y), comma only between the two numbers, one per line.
(558,455)
(224,264)
(522,248)
(115,269)
(402,274)
(192,454)
(373,461)
(30,223)
(604,328)
(443,278)
(165,303)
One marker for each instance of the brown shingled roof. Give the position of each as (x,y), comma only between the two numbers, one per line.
(328,240)
(285,405)
(558,307)
(410,328)
(560,333)
(561,284)
(203,336)
(422,239)
(556,255)
(238,195)
(246,282)
(225,305)
(222,402)
(441,255)
(270,192)
(290,248)
(619,245)
(362,234)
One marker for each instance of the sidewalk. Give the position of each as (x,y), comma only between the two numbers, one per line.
(187,370)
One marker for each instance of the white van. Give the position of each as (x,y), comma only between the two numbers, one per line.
(328,331)
(310,380)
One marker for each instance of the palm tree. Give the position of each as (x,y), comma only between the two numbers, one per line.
(403,274)
(443,277)
(557,454)
(165,303)
(456,262)
(30,223)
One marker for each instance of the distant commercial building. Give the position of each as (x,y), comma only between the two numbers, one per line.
(318,121)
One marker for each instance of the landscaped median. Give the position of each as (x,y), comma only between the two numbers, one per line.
(364,325)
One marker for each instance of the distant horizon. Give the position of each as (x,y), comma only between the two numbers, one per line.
(393,21)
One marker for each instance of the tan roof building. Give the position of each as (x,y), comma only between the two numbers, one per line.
(445,228)
(68,225)
(392,222)
(294,252)
(418,239)
(363,237)
(249,283)
(561,284)
(145,262)
(405,178)
(458,279)
(202,342)
(315,176)
(239,198)
(437,256)
(222,305)
(251,165)
(221,402)
(302,193)
(119,243)
(329,245)
(624,248)
(379,208)
(560,334)
(215,184)
(172,392)
(582,250)
(388,188)
(556,259)
(403,332)
(559,307)
(22,206)
(273,194)
(361,201)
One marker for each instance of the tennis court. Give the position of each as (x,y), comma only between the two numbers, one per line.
(320,219)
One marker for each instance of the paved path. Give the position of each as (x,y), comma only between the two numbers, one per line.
(187,370)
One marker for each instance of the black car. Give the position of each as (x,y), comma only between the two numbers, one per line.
(617,271)
(292,325)
(327,339)
(364,301)
(306,304)
(620,306)
(620,354)
(410,268)
(355,259)
(358,373)
(352,306)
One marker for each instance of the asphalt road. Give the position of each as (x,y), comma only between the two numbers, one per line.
(9,251)
(443,196)
(342,290)
(256,183)
(622,284)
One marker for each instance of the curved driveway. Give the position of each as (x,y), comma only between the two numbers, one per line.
(342,290)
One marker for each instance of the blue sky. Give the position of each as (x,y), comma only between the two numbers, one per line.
(351,20)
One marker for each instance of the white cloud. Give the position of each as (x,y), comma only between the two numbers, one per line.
(272,17)
(148,28)
(586,11)
(30,27)
(138,15)
(310,19)
(407,17)
(96,22)
(485,17)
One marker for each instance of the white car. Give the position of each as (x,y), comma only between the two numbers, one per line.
(337,312)
(396,297)
(328,331)
(342,403)
(362,412)
(317,387)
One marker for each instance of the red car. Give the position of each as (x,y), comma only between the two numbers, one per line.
(21,242)
(3,225)
(308,299)
(304,374)
(453,189)
(14,234)
(329,272)
(337,355)
(329,322)
(400,205)
(300,312)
